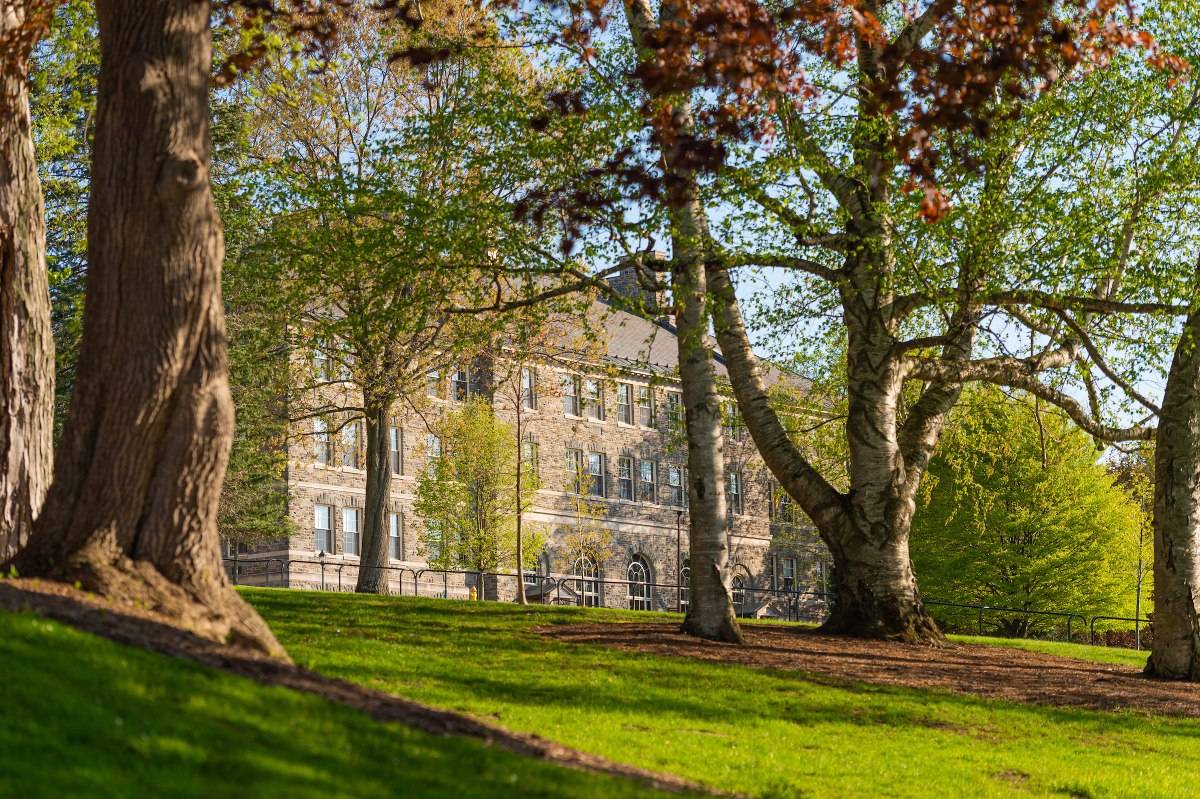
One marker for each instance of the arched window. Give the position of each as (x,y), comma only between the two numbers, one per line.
(739,593)
(685,585)
(586,588)
(638,575)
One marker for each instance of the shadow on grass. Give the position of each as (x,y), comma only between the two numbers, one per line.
(485,656)
(120,689)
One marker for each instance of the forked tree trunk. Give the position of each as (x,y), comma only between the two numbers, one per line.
(132,511)
(26,341)
(372,576)
(1175,651)
(866,531)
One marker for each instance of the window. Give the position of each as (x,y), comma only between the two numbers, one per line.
(433,446)
(574,464)
(529,388)
(733,481)
(645,406)
(674,409)
(596,474)
(321,362)
(783,509)
(624,403)
(433,383)
(735,428)
(570,393)
(433,546)
(646,481)
(529,456)
(678,489)
(396,453)
(460,384)
(788,512)
(345,363)
(322,443)
(739,592)
(594,399)
(685,586)
(350,531)
(824,578)
(323,527)
(587,589)
(625,478)
(638,575)
(351,454)
(787,573)
(396,536)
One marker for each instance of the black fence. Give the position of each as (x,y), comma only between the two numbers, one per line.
(584,591)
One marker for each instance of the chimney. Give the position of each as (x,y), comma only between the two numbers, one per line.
(650,304)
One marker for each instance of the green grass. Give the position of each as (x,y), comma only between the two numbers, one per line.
(81,716)
(763,732)
(1098,654)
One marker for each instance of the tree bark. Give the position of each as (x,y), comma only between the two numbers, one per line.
(132,511)
(867,529)
(26,340)
(1175,651)
(711,613)
(372,576)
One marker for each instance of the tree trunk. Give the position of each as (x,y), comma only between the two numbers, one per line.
(372,577)
(710,603)
(711,613)
(866,530)
(132,511)
(1175,650)
(26,341)
(520,499)
(876,592)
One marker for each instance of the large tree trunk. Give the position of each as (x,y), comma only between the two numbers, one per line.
(711,612)
(132,511)
(26,341)
(372,576)
(1175,652)
(866,530)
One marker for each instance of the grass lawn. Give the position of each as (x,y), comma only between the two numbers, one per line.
(82,716)
(1099,654)
(763,732)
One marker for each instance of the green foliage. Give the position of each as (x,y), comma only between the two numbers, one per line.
(86,717)
(62,97)
(1017,512)
(744,730)
(467,497)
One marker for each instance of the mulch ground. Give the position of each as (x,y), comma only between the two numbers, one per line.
(986,671)
(141,628)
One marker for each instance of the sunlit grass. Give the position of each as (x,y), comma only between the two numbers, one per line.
(759,731)
(84,717)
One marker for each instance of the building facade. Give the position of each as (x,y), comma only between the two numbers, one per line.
(604,434)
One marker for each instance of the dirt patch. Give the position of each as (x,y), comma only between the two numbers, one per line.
(143,628)
(986,671)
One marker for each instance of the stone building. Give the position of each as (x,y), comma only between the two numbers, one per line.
(604,433)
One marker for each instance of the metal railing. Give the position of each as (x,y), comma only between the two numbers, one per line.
(782,603)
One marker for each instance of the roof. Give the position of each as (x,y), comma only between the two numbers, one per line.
(635,342)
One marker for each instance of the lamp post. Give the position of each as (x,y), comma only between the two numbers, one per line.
(678,562)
